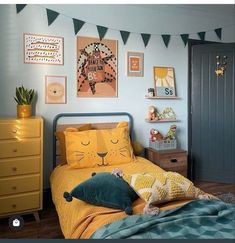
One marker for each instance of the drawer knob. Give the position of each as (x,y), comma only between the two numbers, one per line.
(14,205)
(14,150)
(14,131)
(14,169)
(14,188)
(173,160)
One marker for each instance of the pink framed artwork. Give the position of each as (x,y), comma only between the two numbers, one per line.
(55,89)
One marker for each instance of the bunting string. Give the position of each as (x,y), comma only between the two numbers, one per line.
(102,30)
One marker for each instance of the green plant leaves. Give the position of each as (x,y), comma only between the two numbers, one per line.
(24,96)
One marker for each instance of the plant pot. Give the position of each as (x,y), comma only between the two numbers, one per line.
(24,111)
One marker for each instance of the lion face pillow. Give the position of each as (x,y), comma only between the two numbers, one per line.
(95,148)
(55,93)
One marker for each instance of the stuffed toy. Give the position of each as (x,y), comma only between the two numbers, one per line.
(155,135)
(167,113)
(152,113)
(171,134)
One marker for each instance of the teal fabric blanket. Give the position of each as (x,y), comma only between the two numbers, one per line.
(200,219)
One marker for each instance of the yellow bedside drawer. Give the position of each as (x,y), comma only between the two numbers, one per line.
(19,128)
(21,202)
(9,149)
(19,166)
(19,184)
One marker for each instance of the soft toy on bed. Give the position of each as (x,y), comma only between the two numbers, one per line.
(106,190)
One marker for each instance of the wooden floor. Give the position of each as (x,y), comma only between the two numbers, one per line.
(49,227)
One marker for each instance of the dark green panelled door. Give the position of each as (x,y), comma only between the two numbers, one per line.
(212,117)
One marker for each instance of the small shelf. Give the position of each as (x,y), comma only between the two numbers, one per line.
(161,121)
(163,98)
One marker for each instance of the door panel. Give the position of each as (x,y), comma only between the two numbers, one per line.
(213,133)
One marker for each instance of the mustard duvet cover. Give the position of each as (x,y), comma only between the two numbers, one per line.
(79,219)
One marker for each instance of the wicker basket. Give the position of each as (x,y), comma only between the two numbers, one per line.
(163,144)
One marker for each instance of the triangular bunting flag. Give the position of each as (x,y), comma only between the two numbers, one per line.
(20,7)
(184,38)
(166,39)
(145,38)
(218,32)
(202,35)
(102,31)
(51,16)
(77,24)
(125,36)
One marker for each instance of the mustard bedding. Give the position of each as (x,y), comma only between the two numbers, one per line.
(79,219)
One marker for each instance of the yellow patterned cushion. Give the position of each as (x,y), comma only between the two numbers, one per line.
(94,148)
(162,187)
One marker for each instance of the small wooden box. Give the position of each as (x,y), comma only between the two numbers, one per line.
(169,160)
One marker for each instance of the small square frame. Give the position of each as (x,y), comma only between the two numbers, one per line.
(135,64)
(55,89)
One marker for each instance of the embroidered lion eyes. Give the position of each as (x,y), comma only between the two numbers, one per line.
(85,144)
(114,142)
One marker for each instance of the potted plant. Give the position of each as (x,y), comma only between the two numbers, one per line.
(24,98)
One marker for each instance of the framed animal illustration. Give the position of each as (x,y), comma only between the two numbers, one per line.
(55,89)
(164,81)
(96,67)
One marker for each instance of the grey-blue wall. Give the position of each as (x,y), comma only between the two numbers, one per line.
(131,90)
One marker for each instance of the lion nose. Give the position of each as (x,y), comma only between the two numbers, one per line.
(102,155)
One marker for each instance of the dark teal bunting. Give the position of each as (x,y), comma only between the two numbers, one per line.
(202,35)
(125,36)
(102,31)
(77,24)
(166,39)
(51,16)
(145,38)
(218,32)
(20,7)
(184,38)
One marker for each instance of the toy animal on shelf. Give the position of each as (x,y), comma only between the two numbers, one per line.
(171,134)
(155,135)
(167,113)
(152,113)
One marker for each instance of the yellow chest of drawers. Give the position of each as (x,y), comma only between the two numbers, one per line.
(21,166)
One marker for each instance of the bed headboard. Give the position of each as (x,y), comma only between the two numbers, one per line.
(103,125)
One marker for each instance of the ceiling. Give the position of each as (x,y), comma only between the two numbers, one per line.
(220,9)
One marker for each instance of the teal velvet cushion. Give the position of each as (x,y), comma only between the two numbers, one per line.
(104,189)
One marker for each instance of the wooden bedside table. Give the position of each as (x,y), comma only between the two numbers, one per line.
(169,160)
(21,166)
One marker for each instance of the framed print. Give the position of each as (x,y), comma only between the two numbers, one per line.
(135,64)
(164,81)
(96,67)
(43,49)
(55,90)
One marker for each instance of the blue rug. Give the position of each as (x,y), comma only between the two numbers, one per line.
(227,197)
